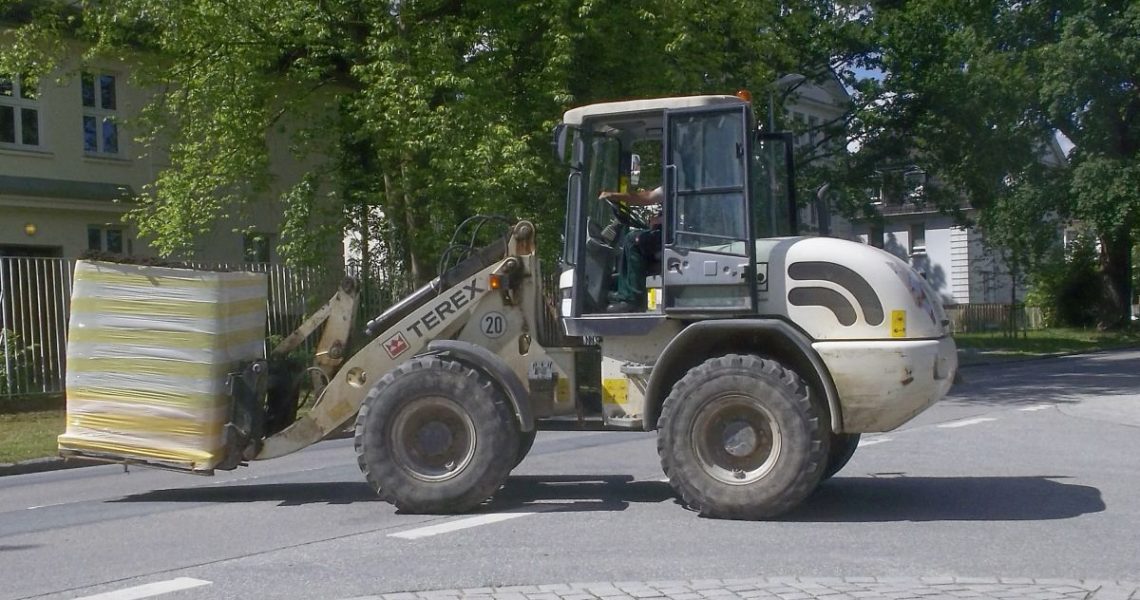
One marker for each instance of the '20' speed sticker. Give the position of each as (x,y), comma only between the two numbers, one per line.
(493,324)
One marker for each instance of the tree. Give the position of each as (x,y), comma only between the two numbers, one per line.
(1091,92)
(408,115)
(426,111)
(975,89)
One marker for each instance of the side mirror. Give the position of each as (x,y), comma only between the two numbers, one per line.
(634,169)
(560,145)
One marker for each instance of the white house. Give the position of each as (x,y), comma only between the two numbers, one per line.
(953,258)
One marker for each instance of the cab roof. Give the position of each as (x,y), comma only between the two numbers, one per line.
(576,116)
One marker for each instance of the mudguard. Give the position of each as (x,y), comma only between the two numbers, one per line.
(484,360)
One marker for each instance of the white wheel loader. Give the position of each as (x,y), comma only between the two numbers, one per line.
(758,357)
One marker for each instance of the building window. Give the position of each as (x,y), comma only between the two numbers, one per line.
(107,238)
(100,113)
(257,247)
(914,183)
(876,236)
(19,112)
(918,238)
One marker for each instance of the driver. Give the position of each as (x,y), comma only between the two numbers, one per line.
(637,250)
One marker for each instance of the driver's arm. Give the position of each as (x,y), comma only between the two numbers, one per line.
(638,198)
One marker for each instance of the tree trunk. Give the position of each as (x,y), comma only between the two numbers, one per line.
(1116,273)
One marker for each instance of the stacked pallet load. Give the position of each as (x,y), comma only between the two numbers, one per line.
(149,353)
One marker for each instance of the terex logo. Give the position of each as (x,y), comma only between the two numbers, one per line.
(432,318)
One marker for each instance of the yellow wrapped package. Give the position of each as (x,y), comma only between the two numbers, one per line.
(148,355)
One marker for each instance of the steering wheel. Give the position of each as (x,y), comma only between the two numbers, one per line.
(625,215)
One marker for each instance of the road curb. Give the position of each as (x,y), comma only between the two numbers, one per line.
(796,588)
(40,465)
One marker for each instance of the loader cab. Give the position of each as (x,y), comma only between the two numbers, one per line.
(722,186)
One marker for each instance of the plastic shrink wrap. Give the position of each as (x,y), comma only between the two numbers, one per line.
(148,356)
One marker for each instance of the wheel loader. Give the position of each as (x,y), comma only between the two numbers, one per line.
(757,356)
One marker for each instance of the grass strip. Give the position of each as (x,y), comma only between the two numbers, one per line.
(31,434)
(987,347)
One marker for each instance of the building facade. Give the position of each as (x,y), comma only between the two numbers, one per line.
(70,165)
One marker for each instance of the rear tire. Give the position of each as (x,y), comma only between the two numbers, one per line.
(740,438)
(526,442)
(842,448)
(434,436)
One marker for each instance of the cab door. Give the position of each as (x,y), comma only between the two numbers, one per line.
(708,260)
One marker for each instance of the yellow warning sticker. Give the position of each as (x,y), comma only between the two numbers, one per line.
(562,390)
(615,391)
(898,323)
(653,299)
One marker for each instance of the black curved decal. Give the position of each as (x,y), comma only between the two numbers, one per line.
(840,275)
(827,298)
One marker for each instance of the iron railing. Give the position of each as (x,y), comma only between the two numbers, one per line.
(993,317)
(35,298)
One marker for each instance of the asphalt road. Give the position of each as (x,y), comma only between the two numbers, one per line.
(1029,470)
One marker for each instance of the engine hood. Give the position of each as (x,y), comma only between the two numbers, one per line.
(839,289)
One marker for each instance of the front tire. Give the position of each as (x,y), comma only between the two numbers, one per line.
(740,438)
(434,436)
(842,448)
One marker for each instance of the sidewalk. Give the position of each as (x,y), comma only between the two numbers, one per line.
(800,588)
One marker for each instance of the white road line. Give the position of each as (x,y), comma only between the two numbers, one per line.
(45,505)
(1034,408)
(965,422)
(150,589)
(873,441)
(469,522)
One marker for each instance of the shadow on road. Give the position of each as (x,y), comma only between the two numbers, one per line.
(288,494)
(579,492)
(842,499)
(1057,380)
(878,499)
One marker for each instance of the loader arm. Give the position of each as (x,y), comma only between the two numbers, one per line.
(439,316)
(338,316)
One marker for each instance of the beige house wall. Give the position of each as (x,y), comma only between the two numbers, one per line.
(73,187)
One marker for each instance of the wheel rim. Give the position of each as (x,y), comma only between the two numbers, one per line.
(433,438)
(736,440)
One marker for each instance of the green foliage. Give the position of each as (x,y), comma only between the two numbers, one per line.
(1068,288)
(974,91)
(398,120)
(16,368)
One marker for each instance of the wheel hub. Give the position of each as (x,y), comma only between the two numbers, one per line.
(433,438)
(736,439)
(740,439)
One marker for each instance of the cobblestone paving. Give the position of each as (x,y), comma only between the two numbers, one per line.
(799,588)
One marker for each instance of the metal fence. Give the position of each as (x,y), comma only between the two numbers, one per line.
(991,317)
(35,299)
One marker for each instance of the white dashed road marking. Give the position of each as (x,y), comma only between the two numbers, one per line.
(150,589)
(1035,408)
(965,422)
(469,522)
(873,441)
